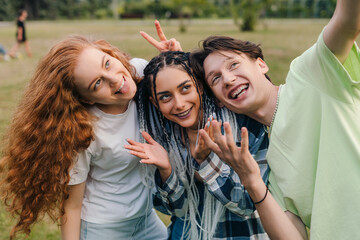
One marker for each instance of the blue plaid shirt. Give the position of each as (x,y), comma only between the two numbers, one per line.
(240,221)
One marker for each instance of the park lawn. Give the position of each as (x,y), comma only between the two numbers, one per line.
(281,40)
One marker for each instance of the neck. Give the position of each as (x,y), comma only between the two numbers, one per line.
(265,113)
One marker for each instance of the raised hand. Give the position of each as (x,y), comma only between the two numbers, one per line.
(163,45)
(201,150)
(239,158)
(151,153)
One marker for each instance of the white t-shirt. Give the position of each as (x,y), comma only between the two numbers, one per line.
(114,190)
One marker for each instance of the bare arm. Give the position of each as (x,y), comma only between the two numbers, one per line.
(70,228)
(343,28)
(275,221)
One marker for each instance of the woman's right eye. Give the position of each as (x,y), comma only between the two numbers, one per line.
(97,84)
(164,97)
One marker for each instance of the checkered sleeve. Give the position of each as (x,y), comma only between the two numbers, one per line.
(170,197)
(222,181)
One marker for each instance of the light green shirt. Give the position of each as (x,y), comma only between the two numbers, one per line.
(314,151)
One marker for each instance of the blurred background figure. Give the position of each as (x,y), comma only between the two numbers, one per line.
(21,35)
(3,55)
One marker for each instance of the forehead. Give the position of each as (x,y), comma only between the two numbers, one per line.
(88,64)
(170,77)
(221,57)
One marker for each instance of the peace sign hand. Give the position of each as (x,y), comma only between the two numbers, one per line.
(163,45)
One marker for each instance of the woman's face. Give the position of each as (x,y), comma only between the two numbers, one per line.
(177,96)
(103,80)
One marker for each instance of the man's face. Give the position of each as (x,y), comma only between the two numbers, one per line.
(237,80)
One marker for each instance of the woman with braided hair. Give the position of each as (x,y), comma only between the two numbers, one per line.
(202,194)
(64,155)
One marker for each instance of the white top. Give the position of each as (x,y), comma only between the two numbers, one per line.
(114,190)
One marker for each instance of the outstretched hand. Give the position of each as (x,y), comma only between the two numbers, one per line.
(201,149)
(164,44)
(239,158)
(151,153)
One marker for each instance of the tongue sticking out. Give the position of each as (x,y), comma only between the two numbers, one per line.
(121,88)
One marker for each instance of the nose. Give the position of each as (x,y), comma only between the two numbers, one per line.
(112,79)
(228,78)
(179,102)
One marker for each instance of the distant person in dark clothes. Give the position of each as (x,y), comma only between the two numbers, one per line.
(21,35)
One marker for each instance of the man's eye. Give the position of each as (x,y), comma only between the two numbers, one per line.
(215,80)
(234,64)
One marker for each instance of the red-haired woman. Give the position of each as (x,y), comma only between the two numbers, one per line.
(64,154)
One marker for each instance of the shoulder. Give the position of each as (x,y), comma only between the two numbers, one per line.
(139,64)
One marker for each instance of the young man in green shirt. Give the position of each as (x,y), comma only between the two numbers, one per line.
(314,151)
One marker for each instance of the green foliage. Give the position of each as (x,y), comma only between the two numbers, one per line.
(6,10)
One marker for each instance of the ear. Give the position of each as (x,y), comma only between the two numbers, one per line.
(153,102)
(263,66)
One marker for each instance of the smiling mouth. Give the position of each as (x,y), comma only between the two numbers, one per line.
(184,114)
(121,86)
(239,91)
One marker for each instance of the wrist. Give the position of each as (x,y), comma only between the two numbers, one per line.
(257,191)
(164,174)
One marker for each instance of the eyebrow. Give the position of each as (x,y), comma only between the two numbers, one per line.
(179,86)
(102,64)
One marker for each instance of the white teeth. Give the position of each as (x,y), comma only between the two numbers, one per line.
(183,113)
(122,84)
(238,91)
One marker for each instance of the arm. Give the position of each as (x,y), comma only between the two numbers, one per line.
(343,28)
(70,222)
(276,223)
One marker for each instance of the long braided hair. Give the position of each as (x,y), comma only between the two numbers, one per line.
(171,136)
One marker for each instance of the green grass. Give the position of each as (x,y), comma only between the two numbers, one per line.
(281,40)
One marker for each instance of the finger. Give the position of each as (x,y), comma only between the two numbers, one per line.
(209,142)
(139,154)
(217,135)
(148,138)
(151,40)
(229,137)
(210,131)
(132,142)
(160,32)
(148,161)
(244,140)
(134,148)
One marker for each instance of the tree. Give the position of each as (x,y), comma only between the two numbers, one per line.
(250,11)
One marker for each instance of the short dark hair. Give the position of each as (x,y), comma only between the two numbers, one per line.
(221,43)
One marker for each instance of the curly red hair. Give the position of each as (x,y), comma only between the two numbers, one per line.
(49,128)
